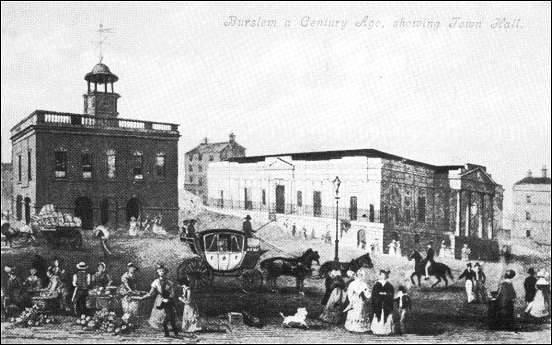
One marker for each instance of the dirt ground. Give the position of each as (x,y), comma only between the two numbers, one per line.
(438,315)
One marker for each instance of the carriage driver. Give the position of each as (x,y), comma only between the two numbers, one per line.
(246,227)
(430,254)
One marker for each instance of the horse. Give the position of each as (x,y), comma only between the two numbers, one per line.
(353,265)
(10,234)
(437,269)
(300,268)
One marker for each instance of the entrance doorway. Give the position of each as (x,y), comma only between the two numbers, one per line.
(280,199)
(133,208)
(27,210)
(83,210)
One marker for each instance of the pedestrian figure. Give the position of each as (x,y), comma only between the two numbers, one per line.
(479,288)
(65,279)
(392,248)
(304,233)
(469,275)
(81,284)
(128,288)
(13,300)
(538,308)
(404,304)
(102,233)
(333,308)
(505,300)
(133,227)
(190,315)
(530,286)
(163,312)
(293,230)
(358,294)
(313,234)
(383,297)
(466,251)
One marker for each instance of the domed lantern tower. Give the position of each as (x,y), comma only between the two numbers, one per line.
(100,99)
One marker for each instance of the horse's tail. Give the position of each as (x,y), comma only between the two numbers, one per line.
(449,272)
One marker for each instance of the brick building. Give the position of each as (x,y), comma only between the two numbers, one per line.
(198,159)
(96,165)
(531,212)
(7,188)
(382,197)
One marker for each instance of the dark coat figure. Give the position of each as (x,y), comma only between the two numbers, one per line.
(530,285)
(430,254)
(469,274)
(41,266)
(246,227)
(168,305)
(382,299)
(81,284)
(505,299)
(14,299)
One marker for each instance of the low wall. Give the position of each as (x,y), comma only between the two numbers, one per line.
(481,249)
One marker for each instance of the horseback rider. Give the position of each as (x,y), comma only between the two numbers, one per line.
(430,254)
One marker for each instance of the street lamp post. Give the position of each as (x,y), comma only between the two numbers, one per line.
(337,183)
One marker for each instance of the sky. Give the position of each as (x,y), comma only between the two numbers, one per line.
(315,81)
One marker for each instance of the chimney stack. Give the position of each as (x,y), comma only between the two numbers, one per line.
(529,173)
(544,171)
(232,138)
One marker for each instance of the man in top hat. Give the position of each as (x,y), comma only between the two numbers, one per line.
(246,227)
(81,284)
(430,255)
(530,285)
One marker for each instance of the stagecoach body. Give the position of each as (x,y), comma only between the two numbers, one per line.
(222,252)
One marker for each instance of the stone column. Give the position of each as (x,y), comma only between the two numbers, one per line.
(468,215)
(458,212)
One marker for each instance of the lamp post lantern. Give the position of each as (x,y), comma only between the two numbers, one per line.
(336,183)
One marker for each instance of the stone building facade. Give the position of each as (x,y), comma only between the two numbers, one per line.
(95,165)
(197,160)
(531,212)
(7,188)
(381,197)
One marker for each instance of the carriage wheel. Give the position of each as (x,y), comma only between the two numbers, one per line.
(197,272)
(252,280)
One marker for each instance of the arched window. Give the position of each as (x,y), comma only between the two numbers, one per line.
(104,211)
(19,207)
(27,210)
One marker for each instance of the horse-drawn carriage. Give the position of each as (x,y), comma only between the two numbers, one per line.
(221,252)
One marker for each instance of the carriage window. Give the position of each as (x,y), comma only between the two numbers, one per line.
(211,243)
(229,242)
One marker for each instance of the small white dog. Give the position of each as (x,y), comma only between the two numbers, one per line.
(299,320)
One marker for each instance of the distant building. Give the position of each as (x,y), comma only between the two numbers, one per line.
(7,189)
(96,165)
(198,159)
(382,197)
(531,216)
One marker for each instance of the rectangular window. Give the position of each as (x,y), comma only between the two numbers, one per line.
(137,165)
(247,199)
(299,199)
(527,216)
(29,172)
(110,164)
(421,208)
(353,210)
(19,168)
(160,165)
(86,158)
(528,199)
(372,214)
(263,197)
(211,158)
(316,204)
(61,163)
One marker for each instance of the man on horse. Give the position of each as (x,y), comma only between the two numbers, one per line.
(430,254)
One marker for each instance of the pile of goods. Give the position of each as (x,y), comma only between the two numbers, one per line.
(33,317)
(103,291)
(105,321)
(48,217)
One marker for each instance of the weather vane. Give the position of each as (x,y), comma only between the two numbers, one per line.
(102,37)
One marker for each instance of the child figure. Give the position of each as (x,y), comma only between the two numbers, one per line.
(190,316)
(404,304)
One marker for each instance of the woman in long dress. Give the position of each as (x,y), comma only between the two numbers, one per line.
(505,300)
(157,227)
(190,316)
(128,288)
(538,308)
(159,286)
(469,275)
(383,298)
(333,310)
(358,314)
(133,227)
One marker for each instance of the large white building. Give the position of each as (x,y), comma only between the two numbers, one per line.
(382,197)
(531,216)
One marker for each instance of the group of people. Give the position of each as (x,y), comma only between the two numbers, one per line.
(377,309)
(537,294)
(154,225)
(475,280)
(395,248)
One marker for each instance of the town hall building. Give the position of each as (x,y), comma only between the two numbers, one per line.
(96,165)
(382,197)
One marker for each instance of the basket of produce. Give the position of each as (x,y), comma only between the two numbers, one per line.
(105,321)
(33,317)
